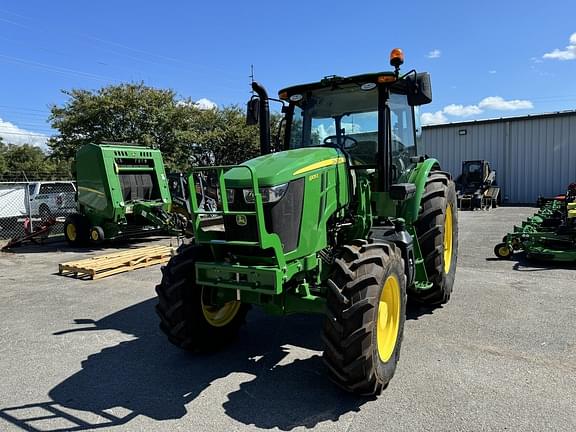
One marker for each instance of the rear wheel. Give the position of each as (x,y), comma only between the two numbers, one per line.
(366,311)
(188,317)
(437,230)
(76,229)
(44,213)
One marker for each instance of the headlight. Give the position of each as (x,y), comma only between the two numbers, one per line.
(269,194)
(229,195)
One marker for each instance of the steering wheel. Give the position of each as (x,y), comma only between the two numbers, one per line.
(333,140)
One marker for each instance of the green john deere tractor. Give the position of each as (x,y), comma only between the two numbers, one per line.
(345,221)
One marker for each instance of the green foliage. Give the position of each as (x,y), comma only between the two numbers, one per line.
(138,114)
(21,162)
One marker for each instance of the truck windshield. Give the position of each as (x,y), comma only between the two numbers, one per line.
(349,116)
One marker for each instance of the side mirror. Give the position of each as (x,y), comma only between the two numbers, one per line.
(419,89)
(252,111)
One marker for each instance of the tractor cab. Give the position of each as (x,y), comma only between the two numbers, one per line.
(344,113)
(476,186)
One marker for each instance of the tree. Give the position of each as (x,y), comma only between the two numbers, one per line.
(129,113)
(18,162)
(138,114)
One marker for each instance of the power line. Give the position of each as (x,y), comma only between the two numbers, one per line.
(119,45)
(56,69)
(24,108)
(5,132)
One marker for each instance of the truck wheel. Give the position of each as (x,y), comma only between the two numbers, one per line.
(76,229)
(44,213)
(437,230)
(186,315)
(366,310)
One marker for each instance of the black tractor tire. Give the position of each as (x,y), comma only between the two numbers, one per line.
(97,235)
(503,251)
(182,310)
(76,229)
(350,331)
(438,199)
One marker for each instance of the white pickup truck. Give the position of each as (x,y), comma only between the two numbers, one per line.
(42,198)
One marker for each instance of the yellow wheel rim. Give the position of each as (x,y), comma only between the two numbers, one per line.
(219,316)
(504,251)
(94,235)
(388,319)
(71,231)
(448,239)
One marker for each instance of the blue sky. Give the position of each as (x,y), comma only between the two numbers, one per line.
(487,59)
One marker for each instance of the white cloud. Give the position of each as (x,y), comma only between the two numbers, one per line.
(492,71)
(569,53)
(461,110)
(433,118)
(205,104)
(12,134)
(495,103)
(498,103)
(435,53)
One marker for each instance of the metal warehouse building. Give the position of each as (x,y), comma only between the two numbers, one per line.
(533,155)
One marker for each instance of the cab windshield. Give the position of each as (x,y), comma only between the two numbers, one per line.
(348,117)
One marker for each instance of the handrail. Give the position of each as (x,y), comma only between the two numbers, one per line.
(266,240)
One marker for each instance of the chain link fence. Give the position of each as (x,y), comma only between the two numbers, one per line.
(28,206)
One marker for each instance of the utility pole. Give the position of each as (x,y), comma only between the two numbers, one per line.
(251,78)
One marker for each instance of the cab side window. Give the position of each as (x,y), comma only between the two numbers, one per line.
(403,142)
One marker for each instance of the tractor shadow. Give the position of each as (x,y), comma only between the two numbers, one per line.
(146,376)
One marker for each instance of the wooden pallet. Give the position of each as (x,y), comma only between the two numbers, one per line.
(107,265)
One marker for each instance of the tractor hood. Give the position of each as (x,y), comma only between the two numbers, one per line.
(282,167)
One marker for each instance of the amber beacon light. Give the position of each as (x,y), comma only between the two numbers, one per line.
(396,57)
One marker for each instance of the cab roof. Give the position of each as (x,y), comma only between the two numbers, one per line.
(334,81)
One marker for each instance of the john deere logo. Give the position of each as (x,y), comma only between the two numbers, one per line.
(241,220)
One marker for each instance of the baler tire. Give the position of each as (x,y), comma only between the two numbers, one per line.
(76,229)
(181,310)
(97,235)
(351,327)
(439,197)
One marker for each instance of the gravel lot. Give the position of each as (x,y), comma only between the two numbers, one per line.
(83,355)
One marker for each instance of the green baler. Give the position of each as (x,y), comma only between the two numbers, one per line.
(122,191)
(346,221)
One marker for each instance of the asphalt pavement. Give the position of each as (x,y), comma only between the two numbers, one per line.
(87,355)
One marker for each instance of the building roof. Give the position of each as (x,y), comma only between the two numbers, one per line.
(504,119)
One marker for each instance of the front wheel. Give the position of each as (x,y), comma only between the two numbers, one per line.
(366,311)
(188,315)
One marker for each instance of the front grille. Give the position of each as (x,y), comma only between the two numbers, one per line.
(282,217)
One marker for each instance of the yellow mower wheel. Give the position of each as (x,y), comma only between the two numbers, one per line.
(503,251)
